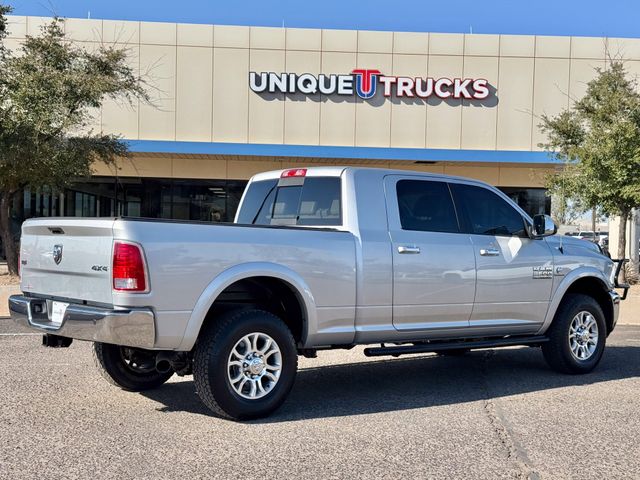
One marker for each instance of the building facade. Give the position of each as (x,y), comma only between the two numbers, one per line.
(230,101)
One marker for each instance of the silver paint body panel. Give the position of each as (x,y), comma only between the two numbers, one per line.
(435,288)
(353,284)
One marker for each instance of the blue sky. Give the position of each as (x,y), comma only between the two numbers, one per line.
(614,18)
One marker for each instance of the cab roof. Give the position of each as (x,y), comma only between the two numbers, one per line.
(337,171)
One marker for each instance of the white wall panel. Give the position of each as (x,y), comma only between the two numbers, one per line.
(197,78)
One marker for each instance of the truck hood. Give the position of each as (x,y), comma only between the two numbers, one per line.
(576,253)
(573,243)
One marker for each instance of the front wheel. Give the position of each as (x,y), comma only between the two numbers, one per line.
(577,335)
(128,368)
(245,364)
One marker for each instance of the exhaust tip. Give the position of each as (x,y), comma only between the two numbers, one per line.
(163,366)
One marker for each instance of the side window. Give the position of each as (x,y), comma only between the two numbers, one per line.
(485,213)
(257,195)
(316,202)
(426,206)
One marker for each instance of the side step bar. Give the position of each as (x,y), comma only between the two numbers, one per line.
(440,347)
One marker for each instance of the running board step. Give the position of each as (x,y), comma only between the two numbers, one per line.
(441,347)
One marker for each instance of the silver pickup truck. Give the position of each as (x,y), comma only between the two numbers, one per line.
(317,258)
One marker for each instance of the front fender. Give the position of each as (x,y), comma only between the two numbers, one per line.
(562,288)
(241,272)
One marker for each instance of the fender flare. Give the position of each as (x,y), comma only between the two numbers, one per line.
(241,272)
(563,287)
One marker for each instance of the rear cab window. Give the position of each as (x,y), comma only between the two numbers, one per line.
(304,201)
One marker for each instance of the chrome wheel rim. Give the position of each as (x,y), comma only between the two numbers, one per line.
(583,336)
(254,365)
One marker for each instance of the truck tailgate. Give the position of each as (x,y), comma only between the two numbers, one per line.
(67,258)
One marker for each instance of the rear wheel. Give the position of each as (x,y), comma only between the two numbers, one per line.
(128,368)
(245,364)
(577,335)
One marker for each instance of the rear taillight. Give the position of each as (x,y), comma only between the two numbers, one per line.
(128,269)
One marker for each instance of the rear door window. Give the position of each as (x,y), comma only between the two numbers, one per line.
(316,201)
(426,206)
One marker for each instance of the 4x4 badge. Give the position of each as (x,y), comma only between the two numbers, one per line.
(57,254)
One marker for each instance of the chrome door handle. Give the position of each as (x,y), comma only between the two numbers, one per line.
(408,249)
(489,252)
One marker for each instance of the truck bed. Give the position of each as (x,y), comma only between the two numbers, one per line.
(183,259)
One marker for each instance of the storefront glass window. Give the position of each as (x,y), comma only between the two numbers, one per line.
(179,199)
(531,200)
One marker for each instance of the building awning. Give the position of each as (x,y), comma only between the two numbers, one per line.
(342,152)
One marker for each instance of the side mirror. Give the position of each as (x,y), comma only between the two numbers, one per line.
(543,226)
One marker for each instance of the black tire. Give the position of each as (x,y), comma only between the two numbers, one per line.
(130,369)
(557,351)
(211,369)
(456,352)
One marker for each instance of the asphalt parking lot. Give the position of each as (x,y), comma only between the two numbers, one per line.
(490,414)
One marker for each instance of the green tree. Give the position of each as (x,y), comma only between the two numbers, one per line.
(47,91)
(599,140)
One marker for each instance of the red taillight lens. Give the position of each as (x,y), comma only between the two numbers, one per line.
(296,172)
(128,269)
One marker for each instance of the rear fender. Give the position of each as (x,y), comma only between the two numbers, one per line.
(240,272)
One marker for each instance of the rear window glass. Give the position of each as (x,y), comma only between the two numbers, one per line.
(316,202)
(426,206)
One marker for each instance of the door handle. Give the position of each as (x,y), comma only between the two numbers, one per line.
(408,249)
(489,252)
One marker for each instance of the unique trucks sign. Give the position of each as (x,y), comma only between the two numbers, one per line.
(364,83)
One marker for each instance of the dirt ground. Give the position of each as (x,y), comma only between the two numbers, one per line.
(5,278)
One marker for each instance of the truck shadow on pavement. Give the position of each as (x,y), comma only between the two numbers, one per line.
(409,383)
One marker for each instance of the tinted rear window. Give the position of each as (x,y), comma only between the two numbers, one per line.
(426,206)
(316,202)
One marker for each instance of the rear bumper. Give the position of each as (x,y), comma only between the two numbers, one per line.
(134,327)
